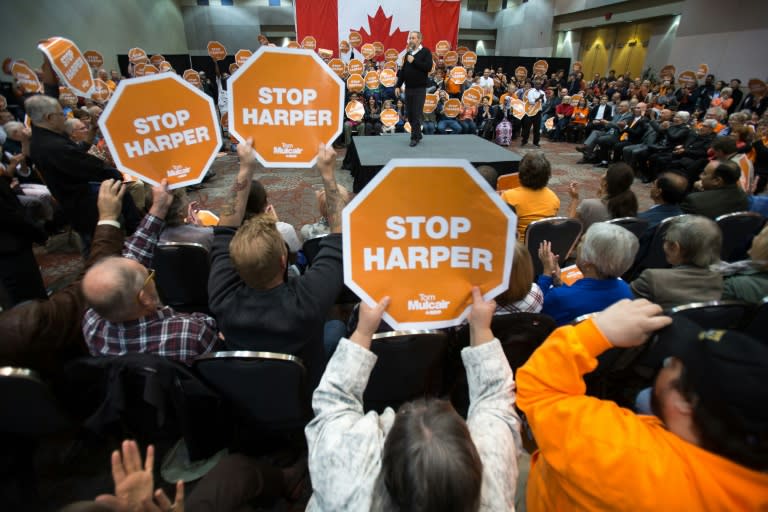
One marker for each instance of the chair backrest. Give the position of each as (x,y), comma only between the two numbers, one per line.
(716,314)
(27,406)
(409,366)
(182,275)
(311,247)
(654,256)
(562,232)
(265,389)
(507,181)
(738,229)
(758,326)
(632,224)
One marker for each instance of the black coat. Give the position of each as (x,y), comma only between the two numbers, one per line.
(415,74)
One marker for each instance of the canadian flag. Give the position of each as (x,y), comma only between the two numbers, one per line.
(331,21)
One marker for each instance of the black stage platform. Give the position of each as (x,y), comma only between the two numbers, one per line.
(367,155)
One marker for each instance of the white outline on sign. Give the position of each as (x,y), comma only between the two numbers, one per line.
(287,51)
(75,89)
(128,82)
(438,162)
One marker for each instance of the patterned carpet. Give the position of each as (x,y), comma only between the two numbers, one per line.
(291,192)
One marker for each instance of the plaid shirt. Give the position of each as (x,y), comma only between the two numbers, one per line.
(531,303)
(165,332)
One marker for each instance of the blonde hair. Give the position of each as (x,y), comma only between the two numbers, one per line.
(521,277)
(257,251)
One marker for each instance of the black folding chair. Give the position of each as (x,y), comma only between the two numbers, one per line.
(738,230)
(182,275)
(758,325)
(562,232)
(716,314)
(265,390)
(652,255)
(634,225)
(409,366)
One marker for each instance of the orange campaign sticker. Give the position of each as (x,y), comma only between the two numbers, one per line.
(452,107)
(368,51)
(94,58)
(66,96)
(355,39)
(434,247)
(165,66)
(69,63)
(26,77)
(101,92)
(309,43)
(355,82)
(161,127)
(355,66)
(354,110)
(430,103)
(391,55)
(389,117)
(458,75)
(193,77)
(540,67)
(372,79)
(442,47)
(337,66)
(216,50)
(388,78)
(570,274)
(288,115)
(232,68)
(469,59)
(379,47)
(451,58)
(471,97)
(293,44)
(156,59)
(137,55)
(241,56)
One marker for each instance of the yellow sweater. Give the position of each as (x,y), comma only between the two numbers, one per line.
(595,455)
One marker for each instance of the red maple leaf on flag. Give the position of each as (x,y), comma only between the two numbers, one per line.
(380,26)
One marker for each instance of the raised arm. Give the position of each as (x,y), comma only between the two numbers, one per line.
(234,209)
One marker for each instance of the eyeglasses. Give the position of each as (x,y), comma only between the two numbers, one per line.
(150,277)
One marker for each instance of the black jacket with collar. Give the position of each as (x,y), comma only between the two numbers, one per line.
(415,74)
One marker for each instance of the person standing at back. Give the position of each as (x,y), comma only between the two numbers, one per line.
(417,64)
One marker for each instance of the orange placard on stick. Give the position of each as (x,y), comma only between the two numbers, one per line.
(293,44)
(70,64)
(26,77)
(149,69)
(451,58)
(577,66)
(309,43)
(165,66)
(471,97)
(193,77)
(434,248)
(372,80)
(518,108)
(461,50)
(156,59)
(355,66)
(216,50)
(378,46)
(94,58)
(337,66)
(458,75)
(288,115)
(355,39)
(540,67)
(668,72)
(161,127)
(391,55)
(702,71)
(241,56)
(66,96)
(430,103)
(355,82)
(388,77)
(390,65)
(354,110)
(452,107)
(687,77)
(137,55)
(442,47)
(101,92)
(368,51)
(521,73)
(389,117)
(469,59)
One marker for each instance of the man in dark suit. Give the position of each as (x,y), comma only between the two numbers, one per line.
(417,64)
(690,157)
(667,192)
(720,192)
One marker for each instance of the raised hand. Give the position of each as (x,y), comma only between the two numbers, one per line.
(480,317)
(368,323)
(161,199)
(110,200)
(628,323)
(133,485)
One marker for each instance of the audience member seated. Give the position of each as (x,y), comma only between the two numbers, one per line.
(125,312)
(668,136)
(563,114)
(258,203)
(725,148)
(604,253)
(372,117)
(575,130)
(691,245)
(179,229)
(748,280)
(256,307)
(424,457)
(760,147)
(690,157)
(719,192)
(704,449)
(532,200)
(616,197)
(667,192)
(523,295)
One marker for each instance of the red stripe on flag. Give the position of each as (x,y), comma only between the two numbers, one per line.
(319,19)
(440,20)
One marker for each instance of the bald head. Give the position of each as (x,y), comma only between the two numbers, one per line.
(112,287)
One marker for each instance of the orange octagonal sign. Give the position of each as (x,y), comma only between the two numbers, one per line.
(427,251)
(289,101)
(70,64)
(161,127)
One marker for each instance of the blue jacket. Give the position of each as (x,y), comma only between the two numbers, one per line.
(587,295)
